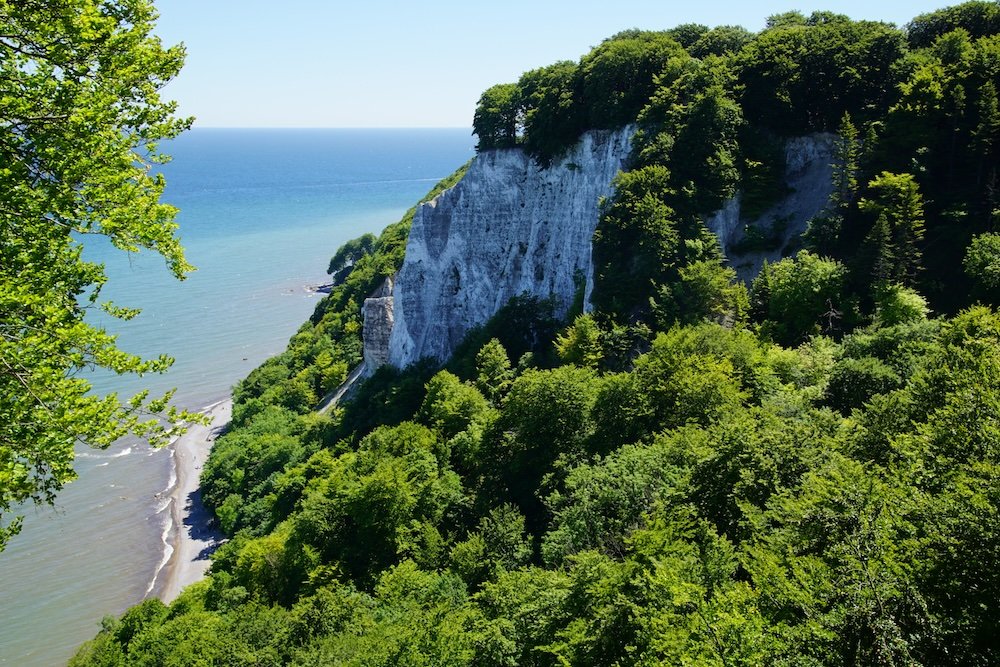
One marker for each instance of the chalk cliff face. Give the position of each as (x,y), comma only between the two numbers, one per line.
(377,314)
(809,178)
(508,227)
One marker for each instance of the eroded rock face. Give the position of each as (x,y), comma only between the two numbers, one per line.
(508,227)
(377,314)
(809,178)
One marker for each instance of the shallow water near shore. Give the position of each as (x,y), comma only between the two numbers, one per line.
(262,211)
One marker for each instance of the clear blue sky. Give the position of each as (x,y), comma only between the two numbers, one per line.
(382,63)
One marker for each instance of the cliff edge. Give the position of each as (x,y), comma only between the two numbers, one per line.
(509,227)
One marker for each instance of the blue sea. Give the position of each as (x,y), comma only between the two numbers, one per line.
(261,212)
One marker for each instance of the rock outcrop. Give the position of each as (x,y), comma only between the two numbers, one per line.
(509,227)
(809,179)
(377,314)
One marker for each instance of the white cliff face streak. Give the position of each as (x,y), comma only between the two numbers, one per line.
(508,227)
(809,177)
(377,315)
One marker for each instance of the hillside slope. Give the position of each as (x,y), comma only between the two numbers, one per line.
(802,470)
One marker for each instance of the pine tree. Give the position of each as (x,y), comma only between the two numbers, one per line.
(493,371)
(908,233)
(869,144)
(878,247)
(760,294)
(897,197)
(825,230)
(984,141)
(847,156)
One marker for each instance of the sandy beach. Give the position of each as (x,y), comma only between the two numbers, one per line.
(192,535)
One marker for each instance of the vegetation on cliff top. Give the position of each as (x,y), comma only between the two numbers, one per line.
(799,472)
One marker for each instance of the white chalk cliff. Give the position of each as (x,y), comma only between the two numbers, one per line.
(510,227)
(377,316)
(809,179)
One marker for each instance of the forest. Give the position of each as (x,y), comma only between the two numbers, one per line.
(800,471)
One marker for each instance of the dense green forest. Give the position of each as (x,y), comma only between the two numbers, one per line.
(800,471)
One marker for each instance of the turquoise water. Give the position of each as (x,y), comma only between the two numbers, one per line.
(262,211)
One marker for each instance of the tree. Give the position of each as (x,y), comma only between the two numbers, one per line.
(543,429)
(897,197)
(801,75)
(686,379)
(786,20)
(348,255)
(847,158)
(493,370)
(580,343)
(80,118)
(982,266)
(688,33)
(721,40)
(988,129)
(619,76)
(979,18)
(706,290)
(985,138)
(451,406)
(495,121)
(802,296)
(691,126)
(895,304)
(636,241)
(854,381)
(552,117)
(877,256)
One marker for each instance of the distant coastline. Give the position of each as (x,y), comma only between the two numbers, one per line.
(261,215)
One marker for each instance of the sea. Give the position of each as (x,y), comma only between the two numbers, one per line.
(261,213)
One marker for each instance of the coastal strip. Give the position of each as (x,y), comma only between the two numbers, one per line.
(190,535)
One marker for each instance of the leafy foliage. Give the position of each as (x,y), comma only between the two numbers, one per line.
(977,18)
(801,296)
(496,117)
(80,118)
(982,265)
(805,474)
(641,242)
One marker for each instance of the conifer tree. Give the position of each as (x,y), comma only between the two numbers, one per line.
(825,230)
(878,248)
(760,294)
(984,139)
(897,197)
(847,157)
(493,371)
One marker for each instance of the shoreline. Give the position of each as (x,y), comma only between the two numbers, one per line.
(190,535)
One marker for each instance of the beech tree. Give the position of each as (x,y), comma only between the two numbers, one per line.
(799,296)
(982,266)
(496,118)
(80,118)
